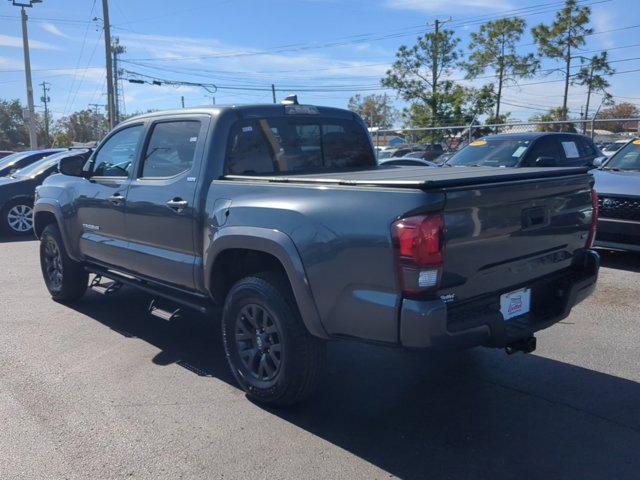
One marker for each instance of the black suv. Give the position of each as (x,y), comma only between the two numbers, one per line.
(533,149)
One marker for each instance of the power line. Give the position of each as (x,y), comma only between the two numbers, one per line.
(335,43)
(82,46)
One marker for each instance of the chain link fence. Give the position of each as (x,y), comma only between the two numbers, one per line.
(602,131)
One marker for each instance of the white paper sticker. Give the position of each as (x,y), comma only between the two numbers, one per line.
(570,149)
(247,129)
(193,139)
(519,151)
(514,304)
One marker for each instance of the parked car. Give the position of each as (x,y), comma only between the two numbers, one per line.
(618,187)
(16,161)
(535,149)
(415,161)
(18,189)
(280,215)
(404,150)
(427,152)
(613,147)
(5,153)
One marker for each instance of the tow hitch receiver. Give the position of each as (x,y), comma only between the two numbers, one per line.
(526,345)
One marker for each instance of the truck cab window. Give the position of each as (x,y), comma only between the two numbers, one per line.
(278,145)
(116,156)
(171,149)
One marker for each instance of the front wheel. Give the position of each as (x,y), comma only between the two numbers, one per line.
(269,350)
(65,278)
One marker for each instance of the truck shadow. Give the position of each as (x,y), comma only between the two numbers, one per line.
(475,414)
(620,260)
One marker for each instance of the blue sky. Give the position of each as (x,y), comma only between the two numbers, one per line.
(334,47)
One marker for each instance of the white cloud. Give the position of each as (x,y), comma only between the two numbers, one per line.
(10,63)
(229,59)
(11,41)
(452,6)
(52,29)
(603,20)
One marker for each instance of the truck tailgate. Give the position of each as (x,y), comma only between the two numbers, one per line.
(502,235)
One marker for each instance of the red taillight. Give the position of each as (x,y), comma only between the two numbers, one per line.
(594,220)
(419,249)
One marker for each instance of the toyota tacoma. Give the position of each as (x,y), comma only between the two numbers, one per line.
(279,215)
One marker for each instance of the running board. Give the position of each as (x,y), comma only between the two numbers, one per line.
(106,288)
(195,302)
(166,315)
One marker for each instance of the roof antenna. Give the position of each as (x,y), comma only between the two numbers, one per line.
(290,100)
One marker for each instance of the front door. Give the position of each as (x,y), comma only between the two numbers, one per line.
(160,211)
(100,202)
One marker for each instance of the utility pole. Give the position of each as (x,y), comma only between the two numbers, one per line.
(182,101)
(111,111)
(45,100)
(116,49)
(273,92)
(29,114)
(434,72)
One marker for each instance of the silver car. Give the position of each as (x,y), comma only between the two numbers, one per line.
(618,188)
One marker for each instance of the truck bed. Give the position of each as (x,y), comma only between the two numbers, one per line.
(416,177)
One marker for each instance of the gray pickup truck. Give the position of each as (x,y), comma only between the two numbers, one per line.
(280,215)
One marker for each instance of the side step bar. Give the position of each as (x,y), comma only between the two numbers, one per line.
(104,288)
(200,304)
(166,315)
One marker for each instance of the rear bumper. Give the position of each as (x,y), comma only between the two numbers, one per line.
(618,234)
(431,324)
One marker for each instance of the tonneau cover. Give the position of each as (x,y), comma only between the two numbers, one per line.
(417,177)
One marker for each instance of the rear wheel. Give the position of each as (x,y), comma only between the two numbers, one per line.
(270,352)
(65,278)
(17,217)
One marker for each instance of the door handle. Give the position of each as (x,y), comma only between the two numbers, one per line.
(177,204)
(116,199)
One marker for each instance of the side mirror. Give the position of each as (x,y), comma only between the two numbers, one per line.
(546,162)
(72,166)
(599,161)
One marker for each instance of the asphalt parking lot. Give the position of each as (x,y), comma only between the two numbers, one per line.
(103,390)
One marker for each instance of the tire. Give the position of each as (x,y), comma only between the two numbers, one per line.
(261,324)
(65,278)
(17,217)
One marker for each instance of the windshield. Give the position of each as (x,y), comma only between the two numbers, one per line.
(627,158)
(38,167)
(503,152)
(614,147)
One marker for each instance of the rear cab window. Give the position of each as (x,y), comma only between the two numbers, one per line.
(282,144)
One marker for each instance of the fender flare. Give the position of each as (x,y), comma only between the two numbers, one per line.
(53,207)
(278,244)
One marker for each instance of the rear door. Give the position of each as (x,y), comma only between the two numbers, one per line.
(160,211)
